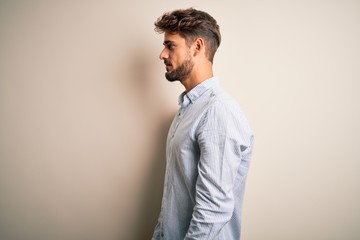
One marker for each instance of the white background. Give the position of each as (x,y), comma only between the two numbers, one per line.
(85,108)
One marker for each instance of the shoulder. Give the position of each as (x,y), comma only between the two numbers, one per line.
(221,103)
(221,110)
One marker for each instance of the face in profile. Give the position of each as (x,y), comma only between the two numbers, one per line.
(177,57)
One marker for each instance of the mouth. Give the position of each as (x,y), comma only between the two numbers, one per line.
(168,65)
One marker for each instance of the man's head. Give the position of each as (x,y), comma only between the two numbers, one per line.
(188,33)
(191,24)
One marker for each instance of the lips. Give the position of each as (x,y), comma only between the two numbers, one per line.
(168,65)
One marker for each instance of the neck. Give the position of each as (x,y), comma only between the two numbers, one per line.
(197,77)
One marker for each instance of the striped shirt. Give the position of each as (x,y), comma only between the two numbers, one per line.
(208,153)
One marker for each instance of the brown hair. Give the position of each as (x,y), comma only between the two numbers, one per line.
(191,24)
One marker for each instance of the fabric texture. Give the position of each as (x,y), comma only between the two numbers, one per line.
(208,152)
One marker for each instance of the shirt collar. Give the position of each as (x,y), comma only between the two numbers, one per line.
(190,97)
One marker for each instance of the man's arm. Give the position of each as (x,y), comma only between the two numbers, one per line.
(220,156)
(157,231)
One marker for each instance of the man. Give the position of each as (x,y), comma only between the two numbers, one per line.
(209,143)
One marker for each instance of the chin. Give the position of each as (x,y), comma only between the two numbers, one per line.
(170,78)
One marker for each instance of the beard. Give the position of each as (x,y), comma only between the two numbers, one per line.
(182,72)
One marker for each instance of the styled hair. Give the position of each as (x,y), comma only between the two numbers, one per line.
(191,24)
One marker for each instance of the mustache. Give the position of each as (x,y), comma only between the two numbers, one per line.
(167,62)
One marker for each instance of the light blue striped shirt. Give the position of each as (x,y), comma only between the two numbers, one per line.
(208,152)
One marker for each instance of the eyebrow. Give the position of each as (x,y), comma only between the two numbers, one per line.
(167,42)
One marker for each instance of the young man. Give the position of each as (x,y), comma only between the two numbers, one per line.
(209,143)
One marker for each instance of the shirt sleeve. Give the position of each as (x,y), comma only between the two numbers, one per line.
(219,139)
(157,232)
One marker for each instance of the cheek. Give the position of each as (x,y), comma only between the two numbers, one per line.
(173,59)
(177,59)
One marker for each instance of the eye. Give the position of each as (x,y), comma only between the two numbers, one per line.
(169,46)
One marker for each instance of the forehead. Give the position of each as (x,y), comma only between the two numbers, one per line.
(173,37)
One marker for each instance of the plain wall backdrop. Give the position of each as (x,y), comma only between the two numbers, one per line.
(85,109)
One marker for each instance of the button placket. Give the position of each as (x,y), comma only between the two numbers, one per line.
(177,120)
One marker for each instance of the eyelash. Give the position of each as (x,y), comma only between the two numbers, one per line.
(170,46)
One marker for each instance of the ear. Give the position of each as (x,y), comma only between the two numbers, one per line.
(199,46)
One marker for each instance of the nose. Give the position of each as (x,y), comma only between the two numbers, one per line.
(163,54)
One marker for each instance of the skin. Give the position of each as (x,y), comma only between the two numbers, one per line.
(192,59)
